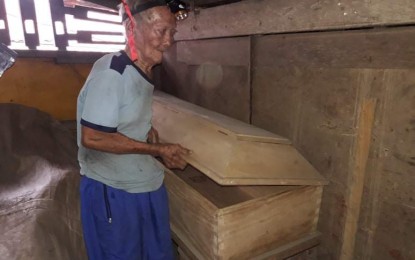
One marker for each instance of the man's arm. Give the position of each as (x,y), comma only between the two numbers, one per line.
(172,154)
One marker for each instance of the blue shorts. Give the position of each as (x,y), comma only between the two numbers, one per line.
(121,225)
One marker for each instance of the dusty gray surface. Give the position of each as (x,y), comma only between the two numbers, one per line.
(39,180)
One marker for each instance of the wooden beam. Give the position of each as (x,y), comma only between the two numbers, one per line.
(377,49)
(279,16)
(354,200)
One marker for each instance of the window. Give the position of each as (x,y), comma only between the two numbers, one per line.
(14,20)
(46,25)
(29,26)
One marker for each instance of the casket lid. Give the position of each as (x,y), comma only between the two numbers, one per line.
(229,151)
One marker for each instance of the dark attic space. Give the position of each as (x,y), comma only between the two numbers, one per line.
(207,129)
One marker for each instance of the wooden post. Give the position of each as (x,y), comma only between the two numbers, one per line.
(356,183)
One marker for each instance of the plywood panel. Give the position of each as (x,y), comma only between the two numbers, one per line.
(290,250)
(400,142)
(226,196)
(226,158)
(207,73)
(332,219)
(393,238)
(227,52)
(317,112)
(275,99)
(218,122)
(250,224)
(312,95)
(306,87)
(381,48)
(304,55)
(274,220)
(191,215)
(276,16)
(393,211)
(283,99)
(327,120)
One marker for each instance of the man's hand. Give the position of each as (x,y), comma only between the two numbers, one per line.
(153,136)
(172,155)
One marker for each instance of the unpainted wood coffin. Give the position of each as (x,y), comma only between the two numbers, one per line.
(248,192)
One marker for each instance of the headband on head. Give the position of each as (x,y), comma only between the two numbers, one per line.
(177,7)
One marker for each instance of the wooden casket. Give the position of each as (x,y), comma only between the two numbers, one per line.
(247,194)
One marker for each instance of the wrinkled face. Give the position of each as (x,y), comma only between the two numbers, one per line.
(154,35)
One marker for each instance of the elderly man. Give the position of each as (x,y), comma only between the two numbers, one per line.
(124,206)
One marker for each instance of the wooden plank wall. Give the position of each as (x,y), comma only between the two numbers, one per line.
(280,16)
(45,85)
(208,72)
(310,87)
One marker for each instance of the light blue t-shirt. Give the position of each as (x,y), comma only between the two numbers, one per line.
(117,97)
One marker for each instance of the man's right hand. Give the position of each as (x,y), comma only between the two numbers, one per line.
(172,155)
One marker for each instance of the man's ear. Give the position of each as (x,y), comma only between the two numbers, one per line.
(130,30)
(127,23)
